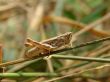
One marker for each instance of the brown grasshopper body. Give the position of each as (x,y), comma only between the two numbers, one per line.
(59,41)
(47,46)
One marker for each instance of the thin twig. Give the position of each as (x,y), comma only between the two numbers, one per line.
(79,73)
(86,65)
(49,64)
(22,65)
(28,74)
(104,18)
(75,24)
(84,44)
(102,60)
(55,52)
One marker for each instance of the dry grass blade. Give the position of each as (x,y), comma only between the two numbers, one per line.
(105,18)
(1,54)
(8,7)
(75,55)
(94,53)
(81,73)
(75,24)
(37,18)
(54,52)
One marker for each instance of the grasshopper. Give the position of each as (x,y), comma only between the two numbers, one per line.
(47,46)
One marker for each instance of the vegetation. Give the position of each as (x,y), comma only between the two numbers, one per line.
(27,24)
